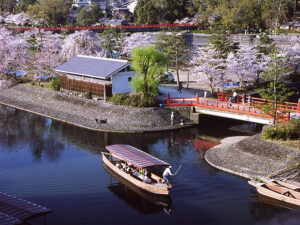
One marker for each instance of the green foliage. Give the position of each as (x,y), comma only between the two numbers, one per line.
(148,63)
(7,6)
(110,40)
(223,45)
(54,12)
(283,131)
(89,15)
(277,89)
(55,84)
(145,13)
(174,47)
(87,95)
(245,14)
(134,101)
(23,5)
(160,11)
(265,45)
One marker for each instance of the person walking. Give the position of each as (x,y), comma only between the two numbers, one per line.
(249,100)
(180,87)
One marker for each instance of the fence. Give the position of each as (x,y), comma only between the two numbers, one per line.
(99,90)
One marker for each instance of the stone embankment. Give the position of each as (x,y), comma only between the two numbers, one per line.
(251,157)
(83,112)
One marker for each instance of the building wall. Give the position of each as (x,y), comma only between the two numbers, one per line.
(121,83)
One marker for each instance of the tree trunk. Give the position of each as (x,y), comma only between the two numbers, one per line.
(275,102)
(188,80)
(177,72)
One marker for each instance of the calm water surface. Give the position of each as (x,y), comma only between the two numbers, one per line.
(59,166)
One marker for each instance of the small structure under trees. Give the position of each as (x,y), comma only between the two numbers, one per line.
(101,77)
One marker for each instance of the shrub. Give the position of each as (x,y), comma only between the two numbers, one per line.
(283,131)
(55,84)
(87,95)
(133,100)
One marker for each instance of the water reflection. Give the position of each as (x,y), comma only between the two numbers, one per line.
(141,201)
(40,134)
(79,190)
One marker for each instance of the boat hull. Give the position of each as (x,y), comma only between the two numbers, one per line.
(160,190)
(261,189)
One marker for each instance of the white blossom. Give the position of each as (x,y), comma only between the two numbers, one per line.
(208,68)
(133,41)
(81,43)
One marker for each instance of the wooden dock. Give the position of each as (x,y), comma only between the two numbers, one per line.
(15,210)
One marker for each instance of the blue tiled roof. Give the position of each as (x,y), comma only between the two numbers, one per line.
(92,66)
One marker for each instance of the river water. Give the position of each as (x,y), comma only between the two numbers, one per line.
(59,166)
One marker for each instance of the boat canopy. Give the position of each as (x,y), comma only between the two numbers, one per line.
(135,156)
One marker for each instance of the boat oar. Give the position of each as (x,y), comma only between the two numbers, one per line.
(176,172)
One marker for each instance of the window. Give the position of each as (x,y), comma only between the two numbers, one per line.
(129,79)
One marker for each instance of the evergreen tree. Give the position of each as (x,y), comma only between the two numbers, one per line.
(89,15)
(109,40)
(277,89)
(223,45)
(54,12)
(175,47)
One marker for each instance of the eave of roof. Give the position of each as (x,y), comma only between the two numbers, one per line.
(62,67)
(135,156)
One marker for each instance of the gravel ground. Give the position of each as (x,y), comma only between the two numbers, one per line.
(251,157)
(83,112)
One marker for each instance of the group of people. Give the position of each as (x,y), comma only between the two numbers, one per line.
(245,99)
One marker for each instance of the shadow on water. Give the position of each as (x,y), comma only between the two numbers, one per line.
(46,136)
(77,188)
(143,202)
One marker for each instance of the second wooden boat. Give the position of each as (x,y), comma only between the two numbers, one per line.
(277,192)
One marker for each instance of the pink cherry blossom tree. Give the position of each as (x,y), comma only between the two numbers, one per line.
(18,19)
(44,50)
(291,52)
(207,67)
(12,53)
(245,65)
(81,43)
(133,41)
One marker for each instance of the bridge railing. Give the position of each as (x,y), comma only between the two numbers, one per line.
(260,102)
(224,106)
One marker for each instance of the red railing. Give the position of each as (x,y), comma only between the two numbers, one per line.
(222,104)
(125,27)
(259,102)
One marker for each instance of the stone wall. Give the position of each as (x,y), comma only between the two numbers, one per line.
(244,39)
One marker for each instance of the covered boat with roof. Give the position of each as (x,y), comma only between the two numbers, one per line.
(137,167)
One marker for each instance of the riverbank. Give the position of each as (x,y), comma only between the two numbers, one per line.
(83,112)
(251,157)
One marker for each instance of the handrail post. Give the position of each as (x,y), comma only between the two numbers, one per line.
(168,99)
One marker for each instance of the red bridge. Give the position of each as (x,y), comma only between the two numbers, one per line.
(252,113)
(127,28)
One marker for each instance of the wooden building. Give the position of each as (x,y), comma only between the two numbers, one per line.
(103,77)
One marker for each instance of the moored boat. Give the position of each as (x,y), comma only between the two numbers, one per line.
(284,184)
(277,192)
(137,167)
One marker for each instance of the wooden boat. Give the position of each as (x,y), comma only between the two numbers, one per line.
(126,160)
(271,201)
(142,201)
(277,192)
(283,184)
